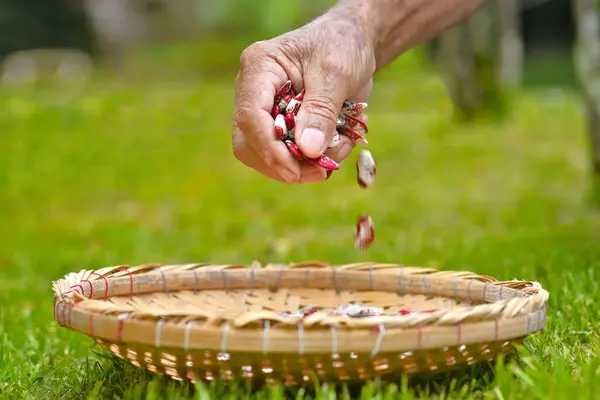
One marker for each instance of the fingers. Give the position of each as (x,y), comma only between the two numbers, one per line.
(247,155)
(342,151)
(254,139)
(345,147)
(324,96)
(363,94)
(256,85)
(312,174)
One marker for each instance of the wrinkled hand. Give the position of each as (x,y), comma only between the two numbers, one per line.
(333,60)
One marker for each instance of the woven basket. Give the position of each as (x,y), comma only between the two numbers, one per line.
(201,321)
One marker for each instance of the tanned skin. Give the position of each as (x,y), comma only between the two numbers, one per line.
(333,58)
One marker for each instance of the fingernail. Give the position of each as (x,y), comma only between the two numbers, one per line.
(329,172)
(312,141)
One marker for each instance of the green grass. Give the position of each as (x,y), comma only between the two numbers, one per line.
(537,72)
(137,174)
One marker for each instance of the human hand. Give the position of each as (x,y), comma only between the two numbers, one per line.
(333,59)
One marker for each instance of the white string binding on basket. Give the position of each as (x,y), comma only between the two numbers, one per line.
(380,337)
(265,341)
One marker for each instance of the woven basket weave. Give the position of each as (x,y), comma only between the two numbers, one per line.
(201,321)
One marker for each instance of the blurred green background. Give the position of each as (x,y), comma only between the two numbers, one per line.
(133,164)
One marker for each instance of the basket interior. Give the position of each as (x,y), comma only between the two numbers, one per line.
(239,302)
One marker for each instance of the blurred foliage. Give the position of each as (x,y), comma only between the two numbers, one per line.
(225,27)
(551,69)
(26,24)
(271,18)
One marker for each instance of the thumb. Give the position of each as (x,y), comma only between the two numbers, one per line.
(315,123)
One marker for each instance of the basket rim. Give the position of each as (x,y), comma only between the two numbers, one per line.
(508,309)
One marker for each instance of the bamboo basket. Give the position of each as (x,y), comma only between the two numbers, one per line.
(205,322)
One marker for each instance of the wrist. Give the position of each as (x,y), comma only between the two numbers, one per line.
(394,26)
(381,22)
(359,13)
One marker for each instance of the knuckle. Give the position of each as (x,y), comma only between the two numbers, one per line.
(334,69)
(243,120)
(323,106)
(243,155)
(239,153)
(330,65)
(249,53)
(293,48)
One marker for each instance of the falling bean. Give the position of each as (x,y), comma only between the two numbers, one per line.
(366,168)
(365,233)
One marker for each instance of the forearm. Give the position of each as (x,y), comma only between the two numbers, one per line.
(395,26)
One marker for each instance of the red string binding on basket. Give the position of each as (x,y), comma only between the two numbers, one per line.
(66,321)
(77,288)
(80,290)
(130,280)
(64,318)
(56,304)
(106,282)
(91,287)
(71,305)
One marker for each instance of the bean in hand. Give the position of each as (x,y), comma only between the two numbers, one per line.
(285,109)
